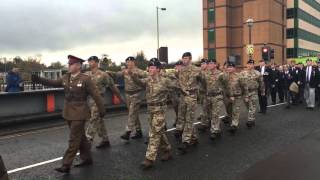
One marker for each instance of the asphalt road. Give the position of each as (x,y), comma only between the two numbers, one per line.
(277,138)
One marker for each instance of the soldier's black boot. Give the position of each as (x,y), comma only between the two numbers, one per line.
(250,124)
(226,120)
(103,144)
(137,135)
(183,148)
(147,164)
(63,169)
(215,136)
(233,129)
(126,135)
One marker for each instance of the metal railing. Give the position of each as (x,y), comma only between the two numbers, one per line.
(27,86)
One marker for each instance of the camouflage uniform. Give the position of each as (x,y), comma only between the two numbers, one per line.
(236,88)
(214,83)
(174,94)
(188,82)
(156,95)
(205,115)
(96,124)
(254,80)
(133,92)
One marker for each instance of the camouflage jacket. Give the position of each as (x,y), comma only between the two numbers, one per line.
(157,90)
(236,85)
(253,79)
(188,79)
(214,82)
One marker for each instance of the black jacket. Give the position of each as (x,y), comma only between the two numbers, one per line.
(313,81)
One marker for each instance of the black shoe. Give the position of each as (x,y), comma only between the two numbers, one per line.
(103,144)
(138,135)
(126,135)
(63,169)
(215,136)
(183,148)
(233,129)
(84,163)
(250,124)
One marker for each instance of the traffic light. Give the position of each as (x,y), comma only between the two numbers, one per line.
(265,53)
(272,54)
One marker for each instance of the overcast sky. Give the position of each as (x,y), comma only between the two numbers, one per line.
(119,28)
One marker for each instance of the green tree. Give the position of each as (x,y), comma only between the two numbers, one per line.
(56,65)
(141,60)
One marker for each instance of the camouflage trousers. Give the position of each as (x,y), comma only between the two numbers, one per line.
(96,125)
(186,119)
(252,105)
(158,140)
(205,114)
(214,105)
(133,105)
(174,97)
(233,109)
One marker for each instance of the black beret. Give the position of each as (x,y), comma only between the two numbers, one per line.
(179,63)
(93,58)
(130,58)
(154,62)
(186,54)
(204,60)
(212,61)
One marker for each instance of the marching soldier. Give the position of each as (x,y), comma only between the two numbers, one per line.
(157,90)
(205,114)
(188,81)
(236,89)
(96,124)
(77,87)
(254,81)
(214,82)
(133,93)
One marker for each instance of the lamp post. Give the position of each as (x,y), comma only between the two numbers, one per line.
(162,9)
(250,24)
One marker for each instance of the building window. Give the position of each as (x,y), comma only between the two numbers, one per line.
(291,33)
(211,15)
(291,52)
(211,1)
(212,53)
(291,13)
(211,36)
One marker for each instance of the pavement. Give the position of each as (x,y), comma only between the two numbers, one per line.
(284,144)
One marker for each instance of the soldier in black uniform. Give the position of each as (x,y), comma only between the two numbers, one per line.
(297,77)
(287,82)
(263,100)
(281,83)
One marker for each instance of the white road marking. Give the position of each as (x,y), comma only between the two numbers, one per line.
(60,158)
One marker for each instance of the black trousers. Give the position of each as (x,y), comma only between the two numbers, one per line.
(263,102)
(273,91)
(281,92)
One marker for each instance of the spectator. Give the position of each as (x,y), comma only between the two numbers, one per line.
(14,81)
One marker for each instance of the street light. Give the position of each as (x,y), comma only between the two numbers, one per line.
(250,24)
(162,9)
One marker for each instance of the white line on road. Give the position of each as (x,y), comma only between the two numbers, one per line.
(60,158)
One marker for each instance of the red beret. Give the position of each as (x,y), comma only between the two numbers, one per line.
(74,59)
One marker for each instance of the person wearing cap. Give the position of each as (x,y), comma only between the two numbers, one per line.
(103,81)
(236,90)
(254,81)
(204,117)
(157,91)
(214,83)
(188,81)
(77,88)
(263,100)
(311,83)
(133,93)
